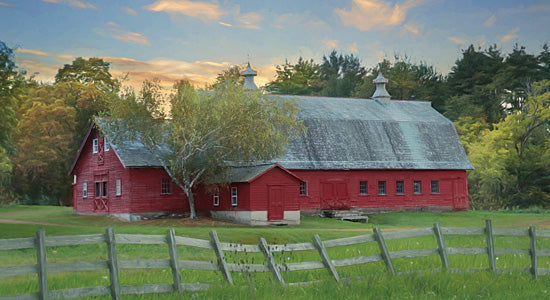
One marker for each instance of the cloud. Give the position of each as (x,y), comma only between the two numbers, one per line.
(42,53)
(5,4)
(73,3)
(491,21)
(456,40)
(117,32)
(225,24)
(375,14)
(129,11)
(330,44)
(353,48)
(510,36)
(249,20)
(415,29)
(201,10)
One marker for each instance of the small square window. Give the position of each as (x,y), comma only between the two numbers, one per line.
(435,187)
(216,199)
(363,188)
(303,188)
(118,187)
(85,190)
(94,146)
(418,187)
(106,145)
(381,187)
(166,186)
(400,187)
(234,196)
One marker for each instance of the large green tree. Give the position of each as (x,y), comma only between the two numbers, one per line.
(302,78)
(341,74)
(206,132)
(513,160)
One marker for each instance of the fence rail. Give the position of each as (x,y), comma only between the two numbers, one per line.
(42,268)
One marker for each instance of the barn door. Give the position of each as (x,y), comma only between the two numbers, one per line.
(335,195)
(276,200)
(460,200)
(101,193)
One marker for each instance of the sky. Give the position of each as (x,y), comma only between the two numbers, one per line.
(195,40)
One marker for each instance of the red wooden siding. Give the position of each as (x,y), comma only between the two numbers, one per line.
(146,192)
(342,187)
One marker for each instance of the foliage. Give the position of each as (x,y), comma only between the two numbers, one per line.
(301,78)
(231,74)
(93,71)
(45,139)
(207,131)
(340,74)
(513,159)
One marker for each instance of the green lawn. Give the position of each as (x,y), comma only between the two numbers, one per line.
(375,282)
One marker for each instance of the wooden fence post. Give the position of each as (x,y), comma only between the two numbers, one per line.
(41,261)
(113,265)
(271,260)
(221,258)
(383,249)
(174,261)
(441,245)
(533,252)
(324,255)
(490,245)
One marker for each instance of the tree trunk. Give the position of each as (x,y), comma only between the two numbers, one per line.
(191,199)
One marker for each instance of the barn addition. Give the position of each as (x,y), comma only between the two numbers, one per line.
(369,154)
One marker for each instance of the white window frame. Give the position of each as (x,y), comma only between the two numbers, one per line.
(382,188)
(436,182)
(106,145)
(234,196)
(85,190)
(94,146)
(417,183)
(216,199)
(74,179)
(365,184)
(402,192)
(166,186)
(118,185)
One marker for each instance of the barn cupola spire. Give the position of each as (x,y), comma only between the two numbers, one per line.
(381,94)
(249,74)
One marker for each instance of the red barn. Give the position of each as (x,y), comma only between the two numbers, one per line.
(370,154)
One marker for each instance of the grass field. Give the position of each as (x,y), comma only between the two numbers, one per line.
(376,283)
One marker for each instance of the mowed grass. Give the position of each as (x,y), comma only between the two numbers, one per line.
(371,281)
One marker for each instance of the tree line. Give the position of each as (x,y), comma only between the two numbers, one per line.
(498,101)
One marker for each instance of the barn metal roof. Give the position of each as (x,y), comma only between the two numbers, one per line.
(347,133)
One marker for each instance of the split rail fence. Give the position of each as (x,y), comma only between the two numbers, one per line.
(115,289)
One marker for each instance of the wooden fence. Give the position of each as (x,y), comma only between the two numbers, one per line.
(115,289)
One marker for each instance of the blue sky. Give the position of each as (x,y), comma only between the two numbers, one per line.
(176,39)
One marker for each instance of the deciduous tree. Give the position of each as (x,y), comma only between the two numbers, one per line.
(206,132)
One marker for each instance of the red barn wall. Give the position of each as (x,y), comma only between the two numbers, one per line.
(204,200)
(89,169)
(453,188)
(259,190)
(146,193)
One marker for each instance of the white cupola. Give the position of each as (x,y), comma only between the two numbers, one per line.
(381,94)
(249,74)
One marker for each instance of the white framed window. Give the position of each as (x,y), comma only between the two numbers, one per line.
(94,146)
(85,190)
(216,199)
(303,188)
(381,187)
(118,185)
(418,187)
(435,186)
(166,186)
(234,196)
(74,179)
(101,189)
(106,145)
(363,188)
(400,187)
